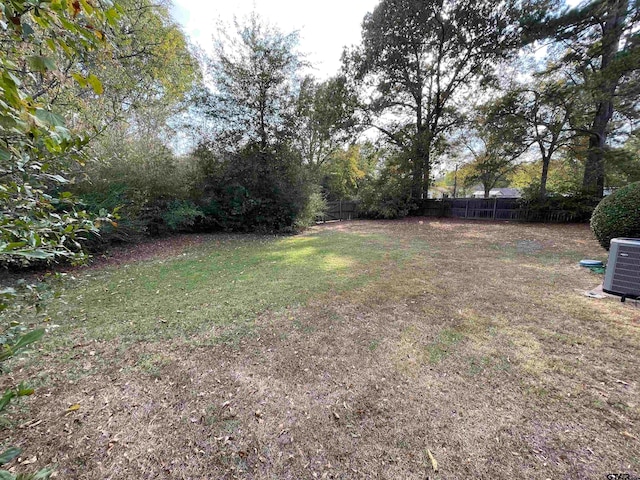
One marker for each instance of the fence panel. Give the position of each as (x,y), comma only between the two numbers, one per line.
(470,208)
(341,210)
(489,209)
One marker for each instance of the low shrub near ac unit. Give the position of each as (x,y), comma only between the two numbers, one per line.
(617,215)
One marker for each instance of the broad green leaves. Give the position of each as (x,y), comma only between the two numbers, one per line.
(8,455)
(49,119)
(95,84)
(10,349)
(38,63)
(42,42)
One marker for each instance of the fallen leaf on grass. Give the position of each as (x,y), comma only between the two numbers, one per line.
(73,408)
(434,462)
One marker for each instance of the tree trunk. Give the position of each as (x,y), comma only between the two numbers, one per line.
(417,190)
(262,123)
(593,180)
(426,171)
(423,163)
(416,184)
(455,182)
(546,160)
(263,132)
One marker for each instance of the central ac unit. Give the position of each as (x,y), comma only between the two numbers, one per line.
(622,277)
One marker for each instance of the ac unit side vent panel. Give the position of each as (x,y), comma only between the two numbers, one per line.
(626,271)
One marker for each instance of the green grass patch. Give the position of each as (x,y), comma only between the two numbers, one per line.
(152,364)
(227,282)
(443,344)
(481,364)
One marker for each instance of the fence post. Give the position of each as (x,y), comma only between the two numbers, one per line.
(495,206)
(466,210)
(340,217)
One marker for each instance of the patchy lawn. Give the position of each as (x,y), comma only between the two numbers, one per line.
(348,352)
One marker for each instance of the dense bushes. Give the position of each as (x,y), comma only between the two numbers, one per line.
(315,207)
(618,215)
(139,179)
(387,196)
(208,191)
(574,208)
(252,191)
(182,216)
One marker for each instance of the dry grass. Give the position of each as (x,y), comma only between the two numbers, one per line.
(474,341)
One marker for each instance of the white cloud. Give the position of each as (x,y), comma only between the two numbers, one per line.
(325,27)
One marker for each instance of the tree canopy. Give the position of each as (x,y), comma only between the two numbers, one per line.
(255,72)
(93,92)
(421,61)
(601,58)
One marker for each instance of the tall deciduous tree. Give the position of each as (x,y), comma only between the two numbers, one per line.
(544,110)
(347,169)
(418,59)
(326,119)
(259,182)
(255,73)
(144,80)
(496,142)
(602,43)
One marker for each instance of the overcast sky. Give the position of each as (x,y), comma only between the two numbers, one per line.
(325,27)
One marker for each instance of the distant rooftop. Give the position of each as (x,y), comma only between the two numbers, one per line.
(499,193)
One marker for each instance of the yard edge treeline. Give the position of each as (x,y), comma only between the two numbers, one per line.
(266,144)
(440,95)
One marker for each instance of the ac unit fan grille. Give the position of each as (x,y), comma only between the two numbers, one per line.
(626,275)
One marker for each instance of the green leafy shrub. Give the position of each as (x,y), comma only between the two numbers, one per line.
(182,216)
(617,215)
(156,193)
(315,208)
(386,197)
(577,207)
(251,190)
(143,182)
(113,199)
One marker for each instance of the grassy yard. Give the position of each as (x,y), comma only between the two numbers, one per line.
(355,351)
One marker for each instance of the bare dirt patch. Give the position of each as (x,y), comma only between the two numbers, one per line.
(469,345)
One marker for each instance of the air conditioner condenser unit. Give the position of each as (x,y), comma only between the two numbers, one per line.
(622,277)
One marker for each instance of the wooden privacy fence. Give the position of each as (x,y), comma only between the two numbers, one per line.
(340,210)
(470,208)
(492,209)
(473,208)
